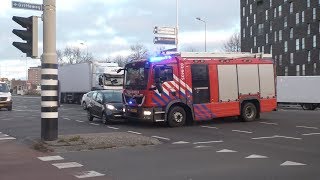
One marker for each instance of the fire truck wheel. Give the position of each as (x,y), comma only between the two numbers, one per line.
(248,112)
(176,117)
(90,117)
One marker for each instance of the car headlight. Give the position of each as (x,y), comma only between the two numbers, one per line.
(147,113)
(9,98)
(110,107)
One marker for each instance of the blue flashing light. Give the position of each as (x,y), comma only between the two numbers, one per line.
(130,102)
(159,58)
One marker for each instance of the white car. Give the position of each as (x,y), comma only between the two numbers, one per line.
(86,99)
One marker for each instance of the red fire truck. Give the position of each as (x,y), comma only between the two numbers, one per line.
(186,87)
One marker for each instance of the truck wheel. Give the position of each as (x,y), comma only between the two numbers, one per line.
(89,115)
(177,117)
(248,112)
(309,107)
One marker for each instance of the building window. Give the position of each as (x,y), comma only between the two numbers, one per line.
(303,43)
(271,50)
(260,29)
(247,2)
(270,26)
(286,46)
(251,50)
(250,30)
(244,32)
(280,10)
(309,56)
(308,3)
(291,7)
(276,59)
(255,41)
(275,36)
(285,22)
(275,13)
(291,58)
(291,33)
(270,3)
(302,16)
(258,49)
(280,35)
(309,29)
(286,69)
(280,60)
(254,18)
(250,8)
(267,15)
(303,70)
(243,11)
(262,49)
(267,38)
(297,18)
(314,13)
(297,70)
(315,66)
(297,44)
(314,41)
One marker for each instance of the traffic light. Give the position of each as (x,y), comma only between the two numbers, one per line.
(30,35)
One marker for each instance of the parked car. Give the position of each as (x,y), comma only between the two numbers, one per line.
(86,99)
(106,105)
(5,96)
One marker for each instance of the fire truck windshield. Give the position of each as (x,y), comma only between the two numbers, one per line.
(136,78)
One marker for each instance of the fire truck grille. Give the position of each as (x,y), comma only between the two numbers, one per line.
(3,98)
(134,100)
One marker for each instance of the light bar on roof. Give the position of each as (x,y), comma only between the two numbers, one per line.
(159,58)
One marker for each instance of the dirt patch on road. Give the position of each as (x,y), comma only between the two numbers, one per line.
(83,142)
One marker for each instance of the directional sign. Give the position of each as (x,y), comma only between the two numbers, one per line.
(164,30)
(164,40)
(28,6)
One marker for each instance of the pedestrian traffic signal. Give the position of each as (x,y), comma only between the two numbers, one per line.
(30,35)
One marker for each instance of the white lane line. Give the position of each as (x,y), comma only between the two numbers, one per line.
(133,132)
(226,151)
(276,136)
(50,158)
(7,138)
(67,165)
(201,146)
(208,142)
(307,127)
(4,135)
(248,132)
(95,124)
(67,119)
(269,137)
(110,127)
(310,134)
(210,127)
(159,137)
(79,121)
(291,163)
(269,123)
(286,137)
(88,174)
(180,142)
(255,156)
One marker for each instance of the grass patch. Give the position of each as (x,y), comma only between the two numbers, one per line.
(74,139)
(42,147)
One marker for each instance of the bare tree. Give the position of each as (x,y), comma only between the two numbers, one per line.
(233,44)
(139,51)
(191,49)
(72,55)
(121,60)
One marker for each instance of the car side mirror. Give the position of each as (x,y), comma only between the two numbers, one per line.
(119,70)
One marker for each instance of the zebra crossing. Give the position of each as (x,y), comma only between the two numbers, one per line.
(4,137)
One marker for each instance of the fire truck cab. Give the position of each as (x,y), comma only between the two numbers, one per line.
(186,87)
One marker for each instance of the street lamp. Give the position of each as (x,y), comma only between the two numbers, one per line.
(205,32)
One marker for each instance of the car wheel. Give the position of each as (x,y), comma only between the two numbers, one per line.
(89,115)
(177,117)
(84,105)
(248,112)
(104,118)
(10,108)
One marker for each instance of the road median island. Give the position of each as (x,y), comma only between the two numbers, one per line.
(85,142)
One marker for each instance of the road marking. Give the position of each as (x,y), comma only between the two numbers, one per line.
(307,127)
(7,138)
(276,136)
(95,124)
(3,135)
(67,165)
(180,142)
(110,127)
(88,174)
(202,146)
(255,156)
(210,127)
(248,132)
(133,132)
(50,158)
(67,119)
(208,142)
(159,137)
(226,151)
(269,123)
(291,163)
(79,121)
(310,134)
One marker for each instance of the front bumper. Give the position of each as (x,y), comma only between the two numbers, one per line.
(5,104)
(139,113)
(115,115)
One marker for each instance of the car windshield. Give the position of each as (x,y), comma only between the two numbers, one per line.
(4,87)
(112,96)
(136,77)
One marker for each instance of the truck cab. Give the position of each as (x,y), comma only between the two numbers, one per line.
(5,96)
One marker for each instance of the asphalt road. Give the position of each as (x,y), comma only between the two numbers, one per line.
(282,145)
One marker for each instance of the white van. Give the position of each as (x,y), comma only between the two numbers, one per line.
(5,96)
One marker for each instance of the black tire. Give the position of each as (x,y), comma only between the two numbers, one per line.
(248,112)
(89,116)
(177,117)
(84,105)
(310,107)
(9,108)
(104,119)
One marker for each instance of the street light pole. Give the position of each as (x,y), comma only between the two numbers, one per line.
(177,25)
(205,32)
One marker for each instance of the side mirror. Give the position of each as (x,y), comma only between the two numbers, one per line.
(100,81)
(119,70)
(159,87)
(157,79)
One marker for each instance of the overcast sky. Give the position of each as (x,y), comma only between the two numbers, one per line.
(109,27)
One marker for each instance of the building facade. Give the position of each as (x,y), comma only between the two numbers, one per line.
(34,75)
(288,29)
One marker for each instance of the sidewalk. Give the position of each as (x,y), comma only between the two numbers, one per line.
(19,162)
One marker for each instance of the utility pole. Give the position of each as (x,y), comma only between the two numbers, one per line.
(49,74)
(177,25)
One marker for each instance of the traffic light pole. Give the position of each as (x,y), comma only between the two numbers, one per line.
(49,74)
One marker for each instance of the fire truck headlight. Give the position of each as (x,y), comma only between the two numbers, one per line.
(147,113)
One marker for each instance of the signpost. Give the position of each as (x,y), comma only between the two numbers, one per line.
(164,30)
(164,40)
(28,6)
(168,35)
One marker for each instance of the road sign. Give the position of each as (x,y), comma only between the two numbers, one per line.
(164,40)
(164,30)
(28,6)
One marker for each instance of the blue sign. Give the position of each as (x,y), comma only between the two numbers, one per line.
(24,5)
(164,40)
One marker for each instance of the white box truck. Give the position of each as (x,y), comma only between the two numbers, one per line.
(78,79)
(301,90)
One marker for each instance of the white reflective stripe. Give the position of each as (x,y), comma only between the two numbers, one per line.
(165,91)
(183,91)
(49,82)
(49,93)
(49,103)
(182,83)
(175,85)
(168,86)
(49,71)
(49,115)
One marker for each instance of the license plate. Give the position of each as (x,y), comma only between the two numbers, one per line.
(133,110)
